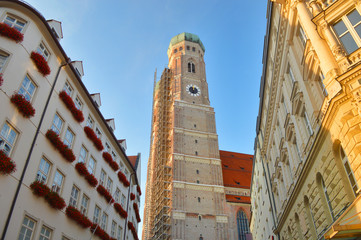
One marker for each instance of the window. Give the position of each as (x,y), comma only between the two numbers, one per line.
(126,172)
(96,214)
(57,124)
(104,222)
(114,156)
(199,199)
(91,165)
(98,133)
(45,233)
(102,178)
(242,225)
(193,49)
(191,67)
(175,51)
(120,231)
(68,89)
(3,58)
(110,185)
(320,81)
(90,122)
(197,171)
(113,229)
(307,123)
(14,22)
(290,73)
(123,201)
(74,196)
(7,138)
(302,35)
(107,147)
(58,182)
(199,217)
(43,171)
(69,138)
(196,141)
(196,153)
(348,30)
(328,201)
(27,228)
(350,173)
(78,103)
(83,154)
(197,181)
(27,88)
(84,205)
(64,238)
(43,51)
(117,195)
(181,48)
(188,48)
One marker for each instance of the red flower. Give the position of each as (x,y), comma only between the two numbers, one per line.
(55,200)
(108,158)
(93,137)
(132,196)
(102,191)
(12,33)
(7,166)
(81,169)
(40,63)
(77,114)
(135,206)
(23,105)
(138,190)
(123,179)
(1,79)
(78,217)
(99,232)
(132,228)
(91,180)
(39,188)
(120,210)
(64,150)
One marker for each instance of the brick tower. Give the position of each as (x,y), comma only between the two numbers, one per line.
(184,192)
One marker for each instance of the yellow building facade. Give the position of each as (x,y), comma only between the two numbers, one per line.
(306,175)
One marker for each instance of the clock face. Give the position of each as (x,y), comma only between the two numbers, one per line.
(193,90)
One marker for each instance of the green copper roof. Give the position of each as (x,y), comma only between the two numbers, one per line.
(186,37)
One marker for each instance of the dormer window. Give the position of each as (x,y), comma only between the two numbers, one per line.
(191,67)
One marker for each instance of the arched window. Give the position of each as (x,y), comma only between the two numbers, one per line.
(191,67)
(310,217)
(350,174)
(325,198)
(242,225)
(298,226)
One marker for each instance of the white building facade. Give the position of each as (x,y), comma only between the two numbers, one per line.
(66,147)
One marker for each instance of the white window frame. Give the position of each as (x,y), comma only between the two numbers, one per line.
(349,171)
(91,165)
(16,23)
(102,178)
(113,229)
(74,196)
(27,227)
(84,204)
(68,88)
(90,122)
(117,195)
(82,157)
(104,221)
(43,170)
(122,201)
(4,57)
(78,103)
(109,186)
(56,187)
(307,123)
(43,235)
(27,88)
(98,132)
(8,136)
(67,140)
(43,50)
(120,233)
(302,35)
(97,213)
(57,120)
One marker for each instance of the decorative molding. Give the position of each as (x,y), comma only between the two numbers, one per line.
(196,133)
(179,215)
(195,106)
(188,158)
(198,187)
(221,219)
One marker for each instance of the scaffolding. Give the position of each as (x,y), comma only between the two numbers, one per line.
(159,187)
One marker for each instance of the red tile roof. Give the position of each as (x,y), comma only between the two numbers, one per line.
(238,199)
(133,160)
(236,169)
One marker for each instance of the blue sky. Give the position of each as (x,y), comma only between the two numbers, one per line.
(121,43)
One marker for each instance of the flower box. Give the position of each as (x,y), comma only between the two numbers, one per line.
(136,209)
(120,210)
(123,179)
(23,105)
(39,188)
(132,196)
(64,150)
(7,166)
(78,217)
(83,171)
(93,137)
(139,191)
(77,114)
(108,158)
(11,33)
(132,228)
(55,200)
(1,79)
(40,63)
(98,231)
(102,191)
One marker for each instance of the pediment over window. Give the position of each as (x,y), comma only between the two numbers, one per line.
(282,143)
(284,155)
(297,104)
(290,130)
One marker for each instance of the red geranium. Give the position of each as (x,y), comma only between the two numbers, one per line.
(40,63)
(138,190)
(78,217)
(55,200)
(91,180)
(97,230)
(93,137)
(132,228)
(120,210)
(39,188)
(108,158)
(64,150)
(132,196)
(23,105)
(12,33)
(102,191)
(135,206)
(7,166)
(123,179)
(1,79)
(77,114)
(81,168)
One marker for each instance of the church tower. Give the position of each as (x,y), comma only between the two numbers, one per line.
(184,193)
